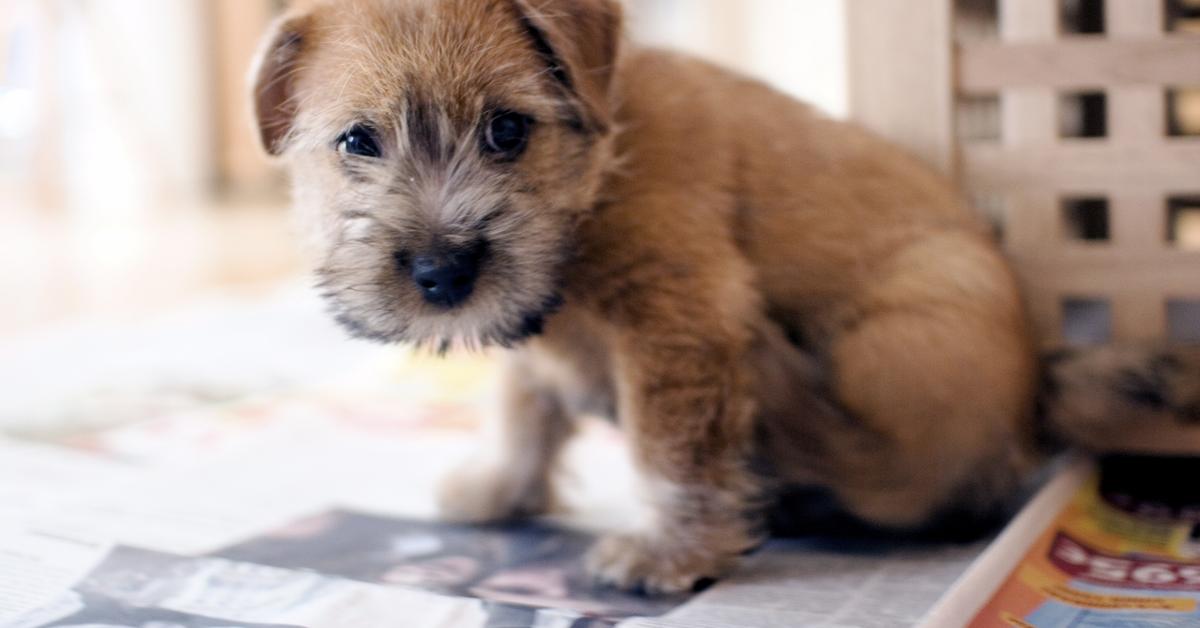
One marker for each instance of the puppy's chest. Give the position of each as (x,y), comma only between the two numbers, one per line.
(573,359)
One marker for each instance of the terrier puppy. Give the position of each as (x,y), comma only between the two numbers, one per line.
(762,297)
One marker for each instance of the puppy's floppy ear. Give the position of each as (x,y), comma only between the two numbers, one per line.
(579,41)
(273,78)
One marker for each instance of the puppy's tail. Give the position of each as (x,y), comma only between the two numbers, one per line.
(1123,399)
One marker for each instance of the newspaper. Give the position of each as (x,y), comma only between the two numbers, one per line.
(143,589)
(353,569)
(538,568)
(35,568)
(522,571)
(826,584)
(1117,545)
(315,512)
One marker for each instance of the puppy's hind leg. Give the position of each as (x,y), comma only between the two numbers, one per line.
(511,477)
(943,404)
(932,391)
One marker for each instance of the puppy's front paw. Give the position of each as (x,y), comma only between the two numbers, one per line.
(653,565)
(483,493)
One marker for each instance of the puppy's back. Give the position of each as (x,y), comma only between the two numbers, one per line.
(809,197)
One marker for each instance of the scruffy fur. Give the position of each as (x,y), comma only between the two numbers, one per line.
(762,297)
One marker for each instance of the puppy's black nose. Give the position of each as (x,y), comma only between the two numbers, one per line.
(447,280)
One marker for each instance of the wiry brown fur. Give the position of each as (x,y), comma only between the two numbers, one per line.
(763,297)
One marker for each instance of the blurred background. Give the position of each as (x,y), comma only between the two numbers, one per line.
(132,178)
(146,256)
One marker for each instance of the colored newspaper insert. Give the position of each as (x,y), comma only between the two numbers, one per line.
(1118,546)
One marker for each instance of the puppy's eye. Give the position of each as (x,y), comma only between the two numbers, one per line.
(506,134)
(359,141)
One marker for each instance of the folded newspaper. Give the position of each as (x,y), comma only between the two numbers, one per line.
(1115,547)
(315,512)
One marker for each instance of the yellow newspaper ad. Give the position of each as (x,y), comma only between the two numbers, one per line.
(1122,548)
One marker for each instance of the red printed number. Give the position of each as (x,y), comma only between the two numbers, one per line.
(1084,563)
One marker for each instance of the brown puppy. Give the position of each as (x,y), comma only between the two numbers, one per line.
(763,297)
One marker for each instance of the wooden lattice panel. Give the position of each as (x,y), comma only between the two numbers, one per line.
(993,93)
(1087,219)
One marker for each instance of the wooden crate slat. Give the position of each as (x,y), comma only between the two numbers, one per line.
(1138,301)
(910,97)
(1083,164)
(1169,274)
(1028,20)
(1139,225)
(1096,257)
(1134,18)
(1079,63)
(1028,117)
(1139,315)
(1030,227)
(1137,115)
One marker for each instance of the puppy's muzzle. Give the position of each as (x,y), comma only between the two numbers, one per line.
(446,279)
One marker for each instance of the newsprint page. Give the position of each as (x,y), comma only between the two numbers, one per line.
(303,513)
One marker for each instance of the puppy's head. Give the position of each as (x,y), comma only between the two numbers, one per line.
(442,154)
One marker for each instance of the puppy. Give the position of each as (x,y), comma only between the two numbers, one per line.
(763,298)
